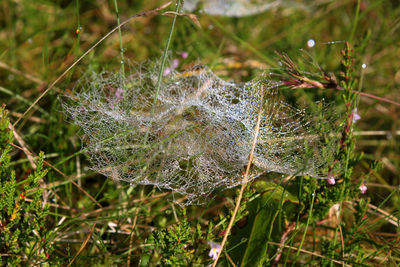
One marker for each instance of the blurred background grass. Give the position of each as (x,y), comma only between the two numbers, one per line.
(40,39)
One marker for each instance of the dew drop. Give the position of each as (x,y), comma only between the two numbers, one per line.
(364,66)
(310,43)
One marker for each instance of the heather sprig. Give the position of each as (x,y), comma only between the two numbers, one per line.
(24,236)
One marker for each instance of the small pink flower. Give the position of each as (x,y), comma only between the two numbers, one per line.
(215,248)
(119,94)
(174,65)
(363,188)
(331,180)
(184,54)
(167,71)
(356,117)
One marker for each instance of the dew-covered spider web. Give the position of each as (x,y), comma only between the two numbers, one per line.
(198,136)
(239,8)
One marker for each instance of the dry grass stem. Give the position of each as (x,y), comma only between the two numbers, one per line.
(83,245)
(245,178)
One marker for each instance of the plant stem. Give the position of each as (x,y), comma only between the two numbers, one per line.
(121,47)
(163,60)
(305,230)
(353,29)
(164,57)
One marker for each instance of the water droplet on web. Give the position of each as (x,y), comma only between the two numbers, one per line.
(364,66)
(334,42)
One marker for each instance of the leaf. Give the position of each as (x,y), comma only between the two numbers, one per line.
(274,191)
(266,223)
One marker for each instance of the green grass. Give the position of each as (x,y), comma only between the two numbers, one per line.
(93,220)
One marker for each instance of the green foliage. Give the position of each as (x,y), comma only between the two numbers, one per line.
(269,213)
(23,231)
(175,245)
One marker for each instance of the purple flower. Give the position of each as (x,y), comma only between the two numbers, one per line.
(184,54)
(174,65)
(356,117)
(331,180)
(215,248)
(167,71)
(119,94)
(363,188)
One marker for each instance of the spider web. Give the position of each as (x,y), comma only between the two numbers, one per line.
(198,136)
(237,8)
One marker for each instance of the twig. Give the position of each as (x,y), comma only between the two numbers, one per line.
(383,99)
(65,207)
(77,185)
(376,133)
(83,245)
(385,215)
(174,212)
(124,204)
(229,259)
(245,177)
(26,75)
(307,252)
(32,118)
(25,149)
(298,80)
(60,172)
(290,228)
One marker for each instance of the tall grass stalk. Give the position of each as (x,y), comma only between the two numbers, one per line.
(121,46)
